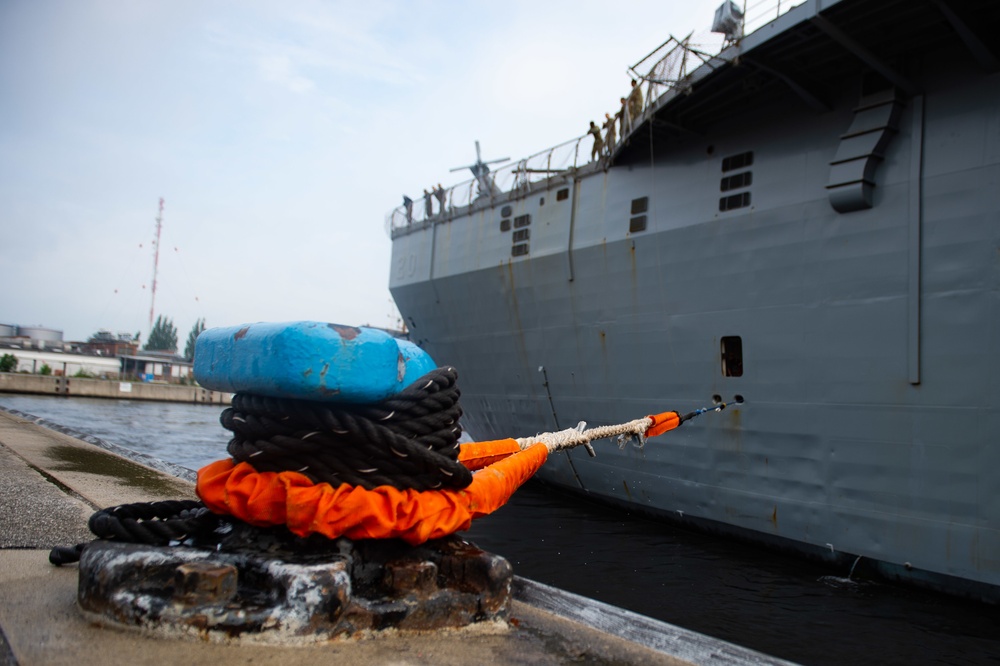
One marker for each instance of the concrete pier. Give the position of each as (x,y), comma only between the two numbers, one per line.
(51,482)
(107,388)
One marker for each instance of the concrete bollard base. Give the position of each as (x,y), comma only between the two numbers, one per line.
(276,588)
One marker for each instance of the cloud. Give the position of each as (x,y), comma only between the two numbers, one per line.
(278,69)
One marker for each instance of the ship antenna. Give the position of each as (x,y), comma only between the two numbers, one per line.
(156,261)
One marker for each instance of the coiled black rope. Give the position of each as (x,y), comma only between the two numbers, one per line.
(407,441)
(153,523)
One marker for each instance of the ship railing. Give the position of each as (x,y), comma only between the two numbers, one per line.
(520,177)
(758,14)
(669,66)
(666,68)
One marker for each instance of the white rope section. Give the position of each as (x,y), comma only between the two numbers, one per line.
(567,439)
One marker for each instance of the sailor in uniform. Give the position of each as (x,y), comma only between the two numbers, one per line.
(595,152)
(609,132)
(442,197)
(428,205)
(634,103)
(408,207)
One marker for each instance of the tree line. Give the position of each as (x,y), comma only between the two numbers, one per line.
(163,336)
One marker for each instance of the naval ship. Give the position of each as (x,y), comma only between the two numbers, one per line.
(803,225)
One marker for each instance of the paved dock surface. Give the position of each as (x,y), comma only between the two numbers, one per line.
(51,482)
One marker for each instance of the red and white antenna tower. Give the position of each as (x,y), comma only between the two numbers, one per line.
(156,262)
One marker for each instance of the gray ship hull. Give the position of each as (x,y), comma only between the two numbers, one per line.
(851,298)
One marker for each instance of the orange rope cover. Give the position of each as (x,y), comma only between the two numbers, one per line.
(266,499)
(662,423)
(288,498)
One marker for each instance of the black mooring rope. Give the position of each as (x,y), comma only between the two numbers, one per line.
(407,441)
(410,440)
(153,523)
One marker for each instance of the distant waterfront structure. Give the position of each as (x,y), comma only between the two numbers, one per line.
(105,355)
(107,343)
(38,334)
(61,363)
(33,337)
(161,366)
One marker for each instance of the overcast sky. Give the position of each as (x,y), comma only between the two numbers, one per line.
(280,135)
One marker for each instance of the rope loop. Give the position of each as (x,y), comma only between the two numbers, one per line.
(153,523)
(409,440)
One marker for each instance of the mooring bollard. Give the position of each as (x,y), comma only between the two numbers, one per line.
(337,510)
(188,571)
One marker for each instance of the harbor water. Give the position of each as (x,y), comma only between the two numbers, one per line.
(727,589)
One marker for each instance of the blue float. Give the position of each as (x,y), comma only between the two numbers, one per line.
(308,360)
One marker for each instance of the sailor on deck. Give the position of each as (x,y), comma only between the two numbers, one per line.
(408,207)
(442,197)
(634,103)
(595,152)
(428,205)
(609,132)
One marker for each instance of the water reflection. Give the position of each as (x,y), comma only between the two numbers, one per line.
(741,593)
(186,434)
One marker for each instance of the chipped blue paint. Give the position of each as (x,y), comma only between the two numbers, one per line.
(308,360)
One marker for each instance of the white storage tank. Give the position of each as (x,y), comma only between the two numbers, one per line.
(39,333)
